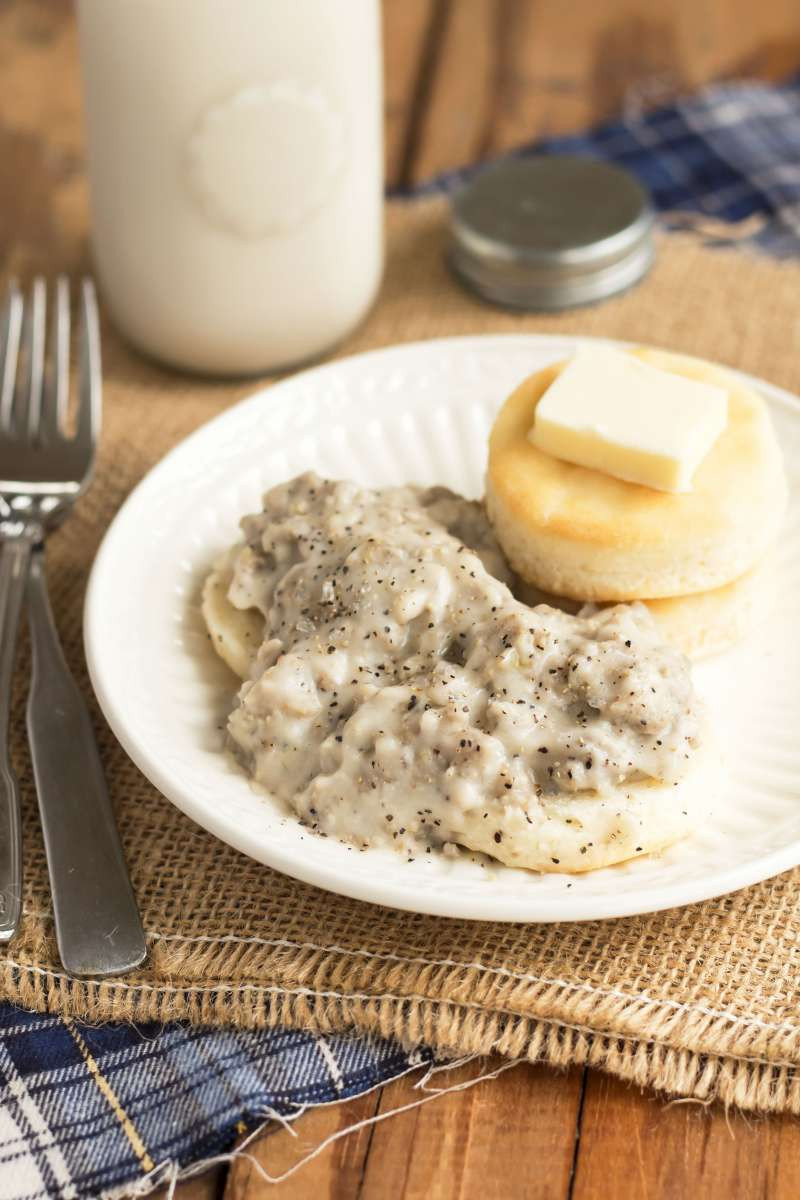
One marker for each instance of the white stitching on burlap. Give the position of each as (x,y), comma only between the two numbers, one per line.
(553,1023)
(388,956)
(520,977)
(196,989)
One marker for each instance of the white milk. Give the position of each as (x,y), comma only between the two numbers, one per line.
(235,161)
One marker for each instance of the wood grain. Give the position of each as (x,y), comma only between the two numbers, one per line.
(410,32)
(511,71)
(511,1138)
(458,109)
(208,1186)
(42,182)
(633,1146)
(335,1175)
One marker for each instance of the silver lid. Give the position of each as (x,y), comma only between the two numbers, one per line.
(551,232)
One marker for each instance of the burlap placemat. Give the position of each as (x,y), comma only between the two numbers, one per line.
(699,1002)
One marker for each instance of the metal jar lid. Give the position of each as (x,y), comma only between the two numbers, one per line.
(551,232)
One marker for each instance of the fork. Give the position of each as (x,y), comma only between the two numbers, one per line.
(43,471)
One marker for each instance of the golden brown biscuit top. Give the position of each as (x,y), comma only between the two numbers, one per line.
(742,468)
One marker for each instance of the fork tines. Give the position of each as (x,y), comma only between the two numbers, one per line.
(34,386)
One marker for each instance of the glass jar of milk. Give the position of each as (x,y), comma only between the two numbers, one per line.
(235,164)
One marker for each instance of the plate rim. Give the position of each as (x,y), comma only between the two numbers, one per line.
(617,904)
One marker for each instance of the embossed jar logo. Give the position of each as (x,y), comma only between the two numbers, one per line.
(266,159)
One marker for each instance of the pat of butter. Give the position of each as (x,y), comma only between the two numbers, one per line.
(610,411)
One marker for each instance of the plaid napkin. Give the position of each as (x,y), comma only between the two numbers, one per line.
(84,1110)
(88,1109)
(728,153)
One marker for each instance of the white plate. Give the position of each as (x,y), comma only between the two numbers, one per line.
(410,413)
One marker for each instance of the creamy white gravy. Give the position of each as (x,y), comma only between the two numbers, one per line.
(403,695)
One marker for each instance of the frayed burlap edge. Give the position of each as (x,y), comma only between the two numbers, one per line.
(726,1074)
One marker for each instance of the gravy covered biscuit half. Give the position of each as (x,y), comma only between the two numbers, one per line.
(396,693)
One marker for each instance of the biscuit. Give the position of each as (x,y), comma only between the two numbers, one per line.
(705,623)
(702,623)
(579,533)
(590,830)
(236,633)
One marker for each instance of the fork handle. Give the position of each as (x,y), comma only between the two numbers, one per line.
(98,928)
(15,557)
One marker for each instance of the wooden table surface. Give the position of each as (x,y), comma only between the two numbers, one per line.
(466,79)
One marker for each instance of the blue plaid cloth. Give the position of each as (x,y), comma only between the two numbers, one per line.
(87,1109)
(730,152)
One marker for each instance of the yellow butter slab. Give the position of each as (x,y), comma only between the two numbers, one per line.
(614,413)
